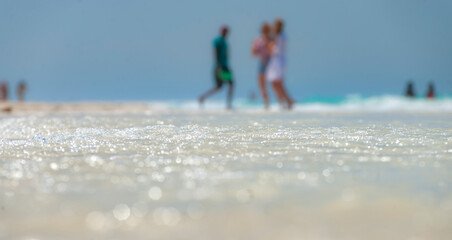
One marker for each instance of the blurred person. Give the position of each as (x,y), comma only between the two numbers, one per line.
(431,91)
(21,89)
(260,49)
(252,97)
(4,91)
(410,90)
(276,65)
(4,96)
(222,72)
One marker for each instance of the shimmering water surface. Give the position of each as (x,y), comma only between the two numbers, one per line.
(217,175)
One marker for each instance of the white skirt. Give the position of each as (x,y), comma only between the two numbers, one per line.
(275,69)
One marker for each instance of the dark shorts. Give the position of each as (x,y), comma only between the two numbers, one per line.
(218,81)
(263,66)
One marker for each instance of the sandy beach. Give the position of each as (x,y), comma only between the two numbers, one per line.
(131,170)
(75,107)
(225,120)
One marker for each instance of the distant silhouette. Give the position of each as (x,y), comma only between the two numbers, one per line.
(222,73)
(431,91)
(260,49)
(276,66)
(21,89)
(410,90)
(4,96)
(252,96)
(4,91)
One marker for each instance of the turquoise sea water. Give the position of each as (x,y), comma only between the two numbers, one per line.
(350,103)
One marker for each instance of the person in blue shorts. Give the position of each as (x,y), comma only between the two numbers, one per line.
(260,49)
(222,73)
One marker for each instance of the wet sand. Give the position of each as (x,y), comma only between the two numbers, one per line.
(76,107)
(127,171)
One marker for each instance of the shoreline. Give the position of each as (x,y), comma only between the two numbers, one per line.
(175,106)
(73,107)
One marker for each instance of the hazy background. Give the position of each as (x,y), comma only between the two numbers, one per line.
(143,49)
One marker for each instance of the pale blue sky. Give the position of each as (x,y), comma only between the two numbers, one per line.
(143,49)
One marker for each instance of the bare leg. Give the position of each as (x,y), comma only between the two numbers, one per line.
(290,101)
(230,93)
(277,89)
(207,94)
(263,88)
(284,94)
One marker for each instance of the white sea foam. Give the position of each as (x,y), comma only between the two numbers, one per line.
(352,103)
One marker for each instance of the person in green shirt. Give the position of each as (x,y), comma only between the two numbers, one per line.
(222,73)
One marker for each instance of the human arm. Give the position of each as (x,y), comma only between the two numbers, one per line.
(254,48)
(215,55)
(278,47)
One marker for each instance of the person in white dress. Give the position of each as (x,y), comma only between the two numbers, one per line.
(276,66)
